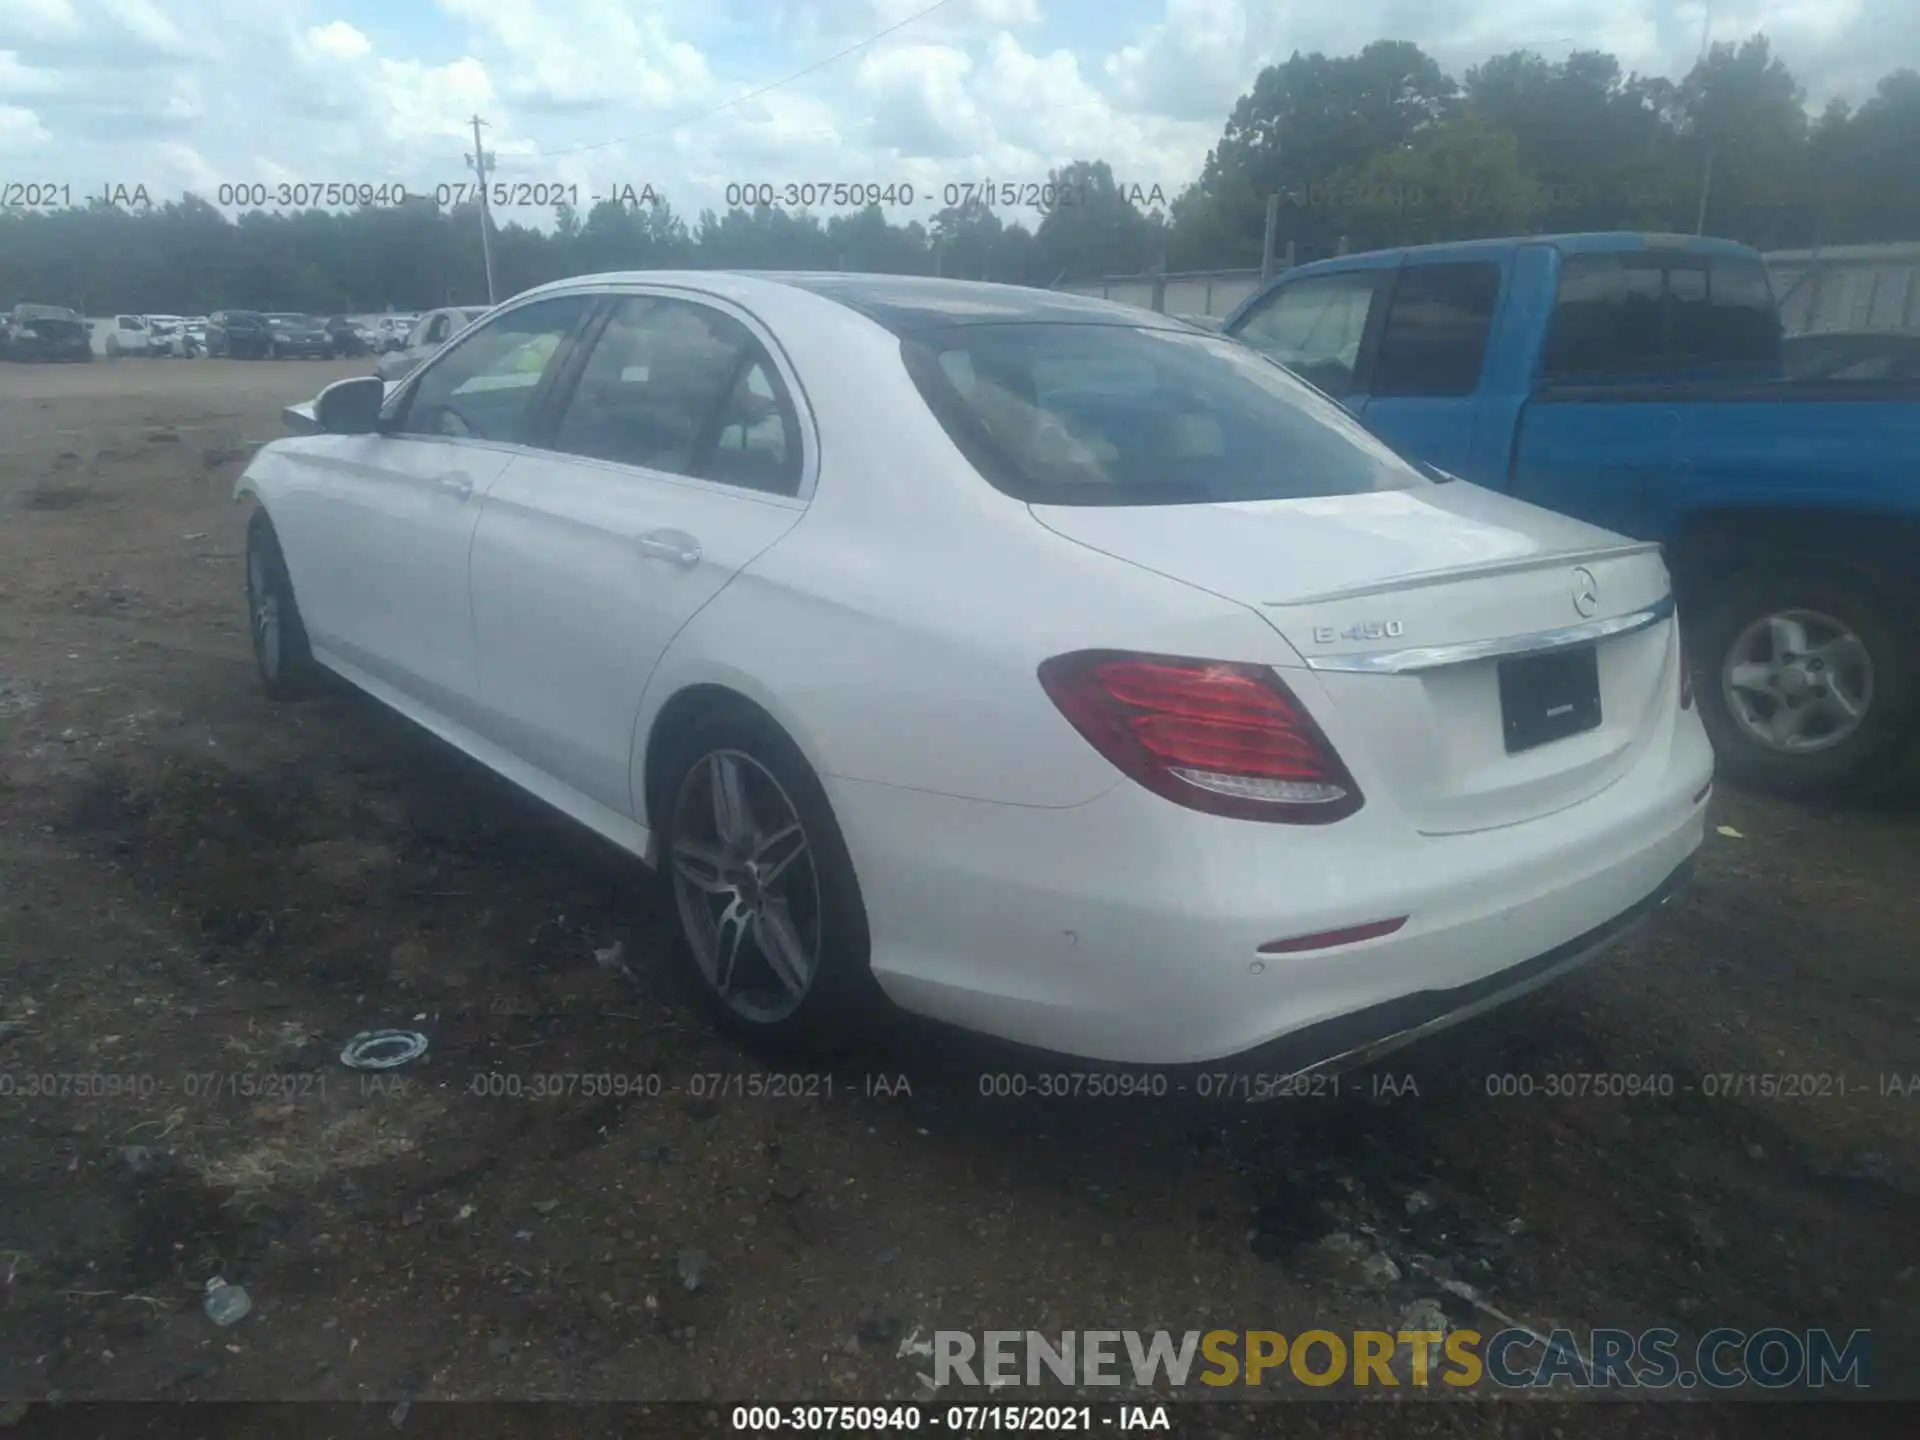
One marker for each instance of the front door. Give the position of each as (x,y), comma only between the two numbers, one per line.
(382,524)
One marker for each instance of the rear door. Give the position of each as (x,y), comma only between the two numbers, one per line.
(378,527)
(678,456)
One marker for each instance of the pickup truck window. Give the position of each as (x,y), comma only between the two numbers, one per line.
(1435,341)
(1061,414)
(1620,315)
(1314,327)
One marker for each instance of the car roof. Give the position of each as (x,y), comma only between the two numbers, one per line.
(899,303)
(905,303)
(1598,242)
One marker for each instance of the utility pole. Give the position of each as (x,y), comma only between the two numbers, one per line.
(480,162)
(1706,173)
(1273,220)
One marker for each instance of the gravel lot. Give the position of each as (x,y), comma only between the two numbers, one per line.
(203,895)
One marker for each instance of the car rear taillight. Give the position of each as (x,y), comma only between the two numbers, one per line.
(1686,668)
(1225,738)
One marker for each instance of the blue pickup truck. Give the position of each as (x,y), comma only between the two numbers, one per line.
(1637,382)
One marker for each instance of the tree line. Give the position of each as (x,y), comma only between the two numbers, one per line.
(1378,148)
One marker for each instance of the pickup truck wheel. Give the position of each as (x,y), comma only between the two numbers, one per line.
(280,649)
(1806,684)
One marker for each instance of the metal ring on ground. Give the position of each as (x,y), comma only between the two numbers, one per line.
(383,1049)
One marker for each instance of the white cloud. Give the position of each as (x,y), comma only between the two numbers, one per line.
(920,101)
(338,40)
(22,134)
(255,89)
(33,21)
(587,54)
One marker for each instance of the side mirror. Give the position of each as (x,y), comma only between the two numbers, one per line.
(351,407)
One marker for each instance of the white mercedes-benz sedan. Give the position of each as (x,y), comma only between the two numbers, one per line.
(1036,664)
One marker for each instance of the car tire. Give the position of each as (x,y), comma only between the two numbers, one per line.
(280,646)
(803,894)
(1859,658)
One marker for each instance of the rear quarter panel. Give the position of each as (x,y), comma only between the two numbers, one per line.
(896,632)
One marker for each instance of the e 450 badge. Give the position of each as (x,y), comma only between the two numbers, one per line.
(1365,630)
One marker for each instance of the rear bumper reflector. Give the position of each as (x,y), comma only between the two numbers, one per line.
(1326,939)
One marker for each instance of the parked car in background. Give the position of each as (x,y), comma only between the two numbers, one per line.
(435,329)
(1853,355)
(391,332)
(239,335)
(45,332)
(162,331)
(1167,716)
(347,337)
(297,337)
(190,342)
(127,335)
(1637,382)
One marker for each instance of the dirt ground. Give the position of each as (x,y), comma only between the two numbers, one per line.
(203,895)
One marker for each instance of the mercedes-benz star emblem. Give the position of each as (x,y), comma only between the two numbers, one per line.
(1586,591)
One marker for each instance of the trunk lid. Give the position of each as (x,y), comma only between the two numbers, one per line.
(1440,627)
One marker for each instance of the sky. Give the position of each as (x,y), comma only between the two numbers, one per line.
(691,96)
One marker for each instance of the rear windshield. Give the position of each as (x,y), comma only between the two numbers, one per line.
(44,312)
(1064,414)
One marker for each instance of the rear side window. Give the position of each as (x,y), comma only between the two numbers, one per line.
(1644,314)
(1314,327)
(1435,341)
(1064,414)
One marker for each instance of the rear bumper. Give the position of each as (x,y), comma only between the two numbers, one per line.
(1366,1035)
(1128,930)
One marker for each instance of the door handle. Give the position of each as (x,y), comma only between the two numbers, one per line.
(455,484)
(675,545)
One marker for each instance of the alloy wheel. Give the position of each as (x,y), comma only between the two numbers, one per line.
(746,886)
(264,604)
(1798,681)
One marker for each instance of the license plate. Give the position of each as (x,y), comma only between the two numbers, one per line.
(1548,697)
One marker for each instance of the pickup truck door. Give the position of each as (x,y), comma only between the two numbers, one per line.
(1426,389)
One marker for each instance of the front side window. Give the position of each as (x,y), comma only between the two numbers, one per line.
(1435,340)
(484,388)
(683,388)
(1314,327)
(1063,414)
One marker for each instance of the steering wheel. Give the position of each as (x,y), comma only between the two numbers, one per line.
(429,417)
